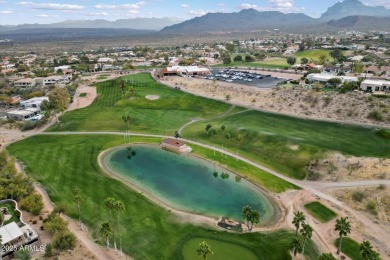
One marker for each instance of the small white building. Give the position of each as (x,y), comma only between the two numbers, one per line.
(10,234)
(64,67)
(25,83)
(52,80)
(370,85)
(317,77)
(105,60)
(31,114)
(185,71)
(33,102)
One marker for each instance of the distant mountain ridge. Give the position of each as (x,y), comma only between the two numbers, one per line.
(155,24)
(353,8)
(247,19)
(250,19)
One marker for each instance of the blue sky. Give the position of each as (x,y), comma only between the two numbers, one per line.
(49,11)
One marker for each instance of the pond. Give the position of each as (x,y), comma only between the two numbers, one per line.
(187,183)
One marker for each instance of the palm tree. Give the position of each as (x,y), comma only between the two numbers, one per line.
(299,218)
(119,208)
(297,247)
(204,250)
(343,226)
(77,197)
(306,232)
(245,214)
(110,204)
(366,249)
(104,231)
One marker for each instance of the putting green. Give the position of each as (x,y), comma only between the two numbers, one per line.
(221,250)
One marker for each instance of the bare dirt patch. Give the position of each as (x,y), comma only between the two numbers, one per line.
(152,97)
(338,167)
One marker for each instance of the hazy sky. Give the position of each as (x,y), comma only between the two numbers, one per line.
(48,11)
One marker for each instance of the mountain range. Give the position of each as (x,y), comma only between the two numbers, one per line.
(348,14)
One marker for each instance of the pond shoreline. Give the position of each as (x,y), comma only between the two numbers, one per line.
(275,222)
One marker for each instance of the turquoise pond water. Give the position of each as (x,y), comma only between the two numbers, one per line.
(187,183)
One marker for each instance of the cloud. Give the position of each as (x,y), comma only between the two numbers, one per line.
(198,12)
(3,2)
(185,5)
(98,14)
(6,12)
(248,6)
(46,15)
(221,4)
(120,7)
(282,4)
(51,6)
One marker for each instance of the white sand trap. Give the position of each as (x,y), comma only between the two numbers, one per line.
(152,97)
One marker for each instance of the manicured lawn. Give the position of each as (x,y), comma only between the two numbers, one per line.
(148,231)
(312,54)
(83,94)
(163,116)
(350,247)
(276,63)
(251,173)
(221,250)
(11,210)
(267,139)
(320,212)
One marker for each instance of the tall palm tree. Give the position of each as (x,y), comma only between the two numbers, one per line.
(297,247)
(119,208)
(104,232)
(110,205)
(307,232)
(299,218)
(366,249)
(204,250)
(343,226)
(77,197)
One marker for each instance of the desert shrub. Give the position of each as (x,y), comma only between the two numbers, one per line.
(32,203)
(313,176)
(382,187)
(371,207)
(64,241)
(375,115)
(384,133)
(358,196)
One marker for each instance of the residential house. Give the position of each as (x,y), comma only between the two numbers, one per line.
(25,83)
(375,85)
(31,114)
(324,78)
(35,102)
(52,80)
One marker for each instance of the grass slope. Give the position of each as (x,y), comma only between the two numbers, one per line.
(320,212)
(163,116)
(350,247)
(221,250)
(312,54)
(62,163)
(267,138)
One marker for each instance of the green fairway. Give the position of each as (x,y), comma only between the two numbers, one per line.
(288,144)
(350,247)
(163,116)
(277,63)
(320,212)
(221,250)
(62,163)
(313,55)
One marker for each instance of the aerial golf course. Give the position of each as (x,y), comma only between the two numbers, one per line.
(62,162)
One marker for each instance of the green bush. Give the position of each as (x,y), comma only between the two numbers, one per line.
(384,133)
(375,115)
(48,250)
(358,196)
(64,241)
(371,207)
(32,203)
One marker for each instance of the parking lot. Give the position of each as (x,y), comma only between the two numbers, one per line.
(245,77)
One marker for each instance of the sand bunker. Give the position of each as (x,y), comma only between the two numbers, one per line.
(152,97)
